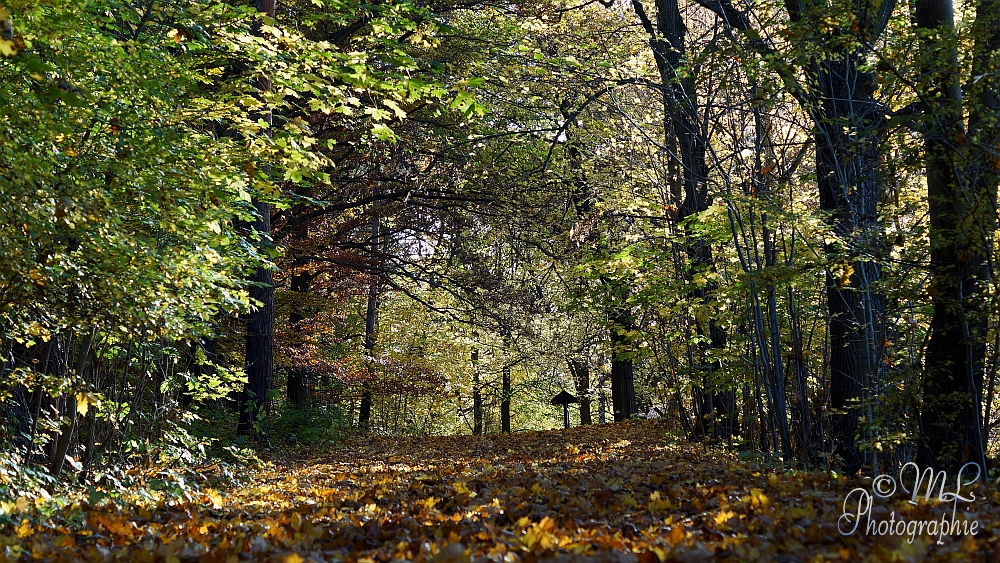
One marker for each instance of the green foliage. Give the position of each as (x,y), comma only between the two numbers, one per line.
(314,426)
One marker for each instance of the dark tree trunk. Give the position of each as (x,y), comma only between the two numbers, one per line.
(365,409)
(849,130)
(682,126)
(477,409)
(579,368)
(255,398)
(961,203)
(477,397)
(622,372)
(298,390)
(850,127)
(505,400)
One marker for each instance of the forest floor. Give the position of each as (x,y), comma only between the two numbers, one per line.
(623,492)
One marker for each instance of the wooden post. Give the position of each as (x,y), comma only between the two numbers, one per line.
(564,399)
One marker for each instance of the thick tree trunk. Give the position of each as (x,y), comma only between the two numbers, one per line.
(960,205)
(298,390)
(623,402)
(849,131)
(849,128)
(255,398)
(682,128)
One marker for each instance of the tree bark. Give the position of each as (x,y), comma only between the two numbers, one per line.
(477,397)
(681,125)
(850,126)
(298,390)
(255,398)
(579,368)
(505,400)
(961,192)
(365,409)
(622,371)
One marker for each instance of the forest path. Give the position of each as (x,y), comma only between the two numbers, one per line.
(622,492)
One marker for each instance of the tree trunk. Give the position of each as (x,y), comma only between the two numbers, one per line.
(365,409)
(579,368)
(622,372)
(849,128)
(298,390)
(682,126)
(477,397)
(505,400)
(961,200)
(255,398)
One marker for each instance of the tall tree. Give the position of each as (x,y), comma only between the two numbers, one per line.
(371,314)
(255,398)
(831,84)
(683,130)
(962,172)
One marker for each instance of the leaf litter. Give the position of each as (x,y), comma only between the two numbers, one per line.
(628,492)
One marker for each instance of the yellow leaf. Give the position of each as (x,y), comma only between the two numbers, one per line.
(8,48)
(214,497)
(82,403)
(25,529)
(757,498)
(547,524)
(293,558)
(724,516)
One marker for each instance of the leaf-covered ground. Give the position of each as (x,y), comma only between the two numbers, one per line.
(624,492)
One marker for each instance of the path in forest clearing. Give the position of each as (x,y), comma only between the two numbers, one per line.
(623,492)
